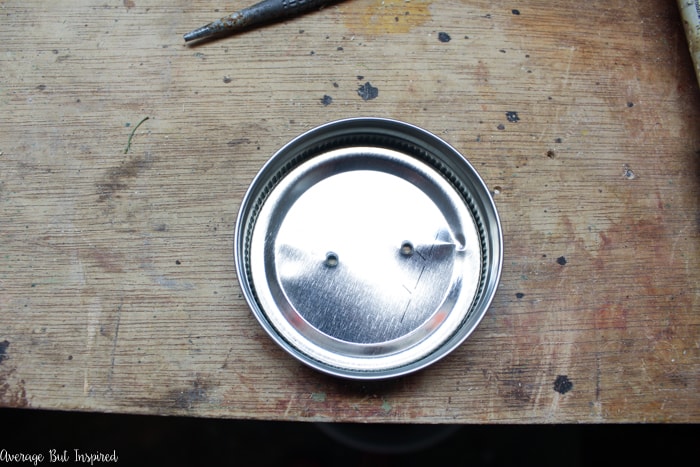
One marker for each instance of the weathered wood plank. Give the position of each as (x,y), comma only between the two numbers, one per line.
(117,285)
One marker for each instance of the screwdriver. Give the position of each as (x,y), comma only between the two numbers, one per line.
(263,12)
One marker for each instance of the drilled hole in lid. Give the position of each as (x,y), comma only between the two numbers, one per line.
(331,260)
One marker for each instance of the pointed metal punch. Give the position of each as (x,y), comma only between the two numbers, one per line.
(264,12)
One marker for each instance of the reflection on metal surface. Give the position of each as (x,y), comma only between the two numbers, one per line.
(368,248)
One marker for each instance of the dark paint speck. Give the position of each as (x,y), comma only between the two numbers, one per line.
(562,384)
(3,348)
(501,126)
(326,100)
(512,117)
(561,261)
(515,12)
(367,91)
(519,295)
(444,37)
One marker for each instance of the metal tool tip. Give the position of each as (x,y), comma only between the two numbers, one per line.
(197,34)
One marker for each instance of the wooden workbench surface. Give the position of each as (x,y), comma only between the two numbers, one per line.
(117,284)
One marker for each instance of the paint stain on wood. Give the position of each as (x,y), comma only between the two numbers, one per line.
(386,406)
(237,142)
(382,17)
(562,384)
(513,386)
(190,396)
(129,4)
(12,392)
(517,394)
(367,91)
(117,177)
(14,396)
(512,116)
(3,350)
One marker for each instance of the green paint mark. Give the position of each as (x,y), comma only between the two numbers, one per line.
(318,396)
(128,143)
(386,406)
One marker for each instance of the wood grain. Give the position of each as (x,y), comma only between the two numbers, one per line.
(117,286)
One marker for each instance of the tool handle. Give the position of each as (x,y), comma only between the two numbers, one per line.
(263,12)
(274,9)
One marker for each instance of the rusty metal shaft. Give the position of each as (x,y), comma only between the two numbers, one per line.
(260,13)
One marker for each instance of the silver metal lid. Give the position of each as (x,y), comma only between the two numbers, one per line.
(368,248)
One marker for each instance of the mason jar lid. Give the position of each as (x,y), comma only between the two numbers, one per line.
(368,248)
